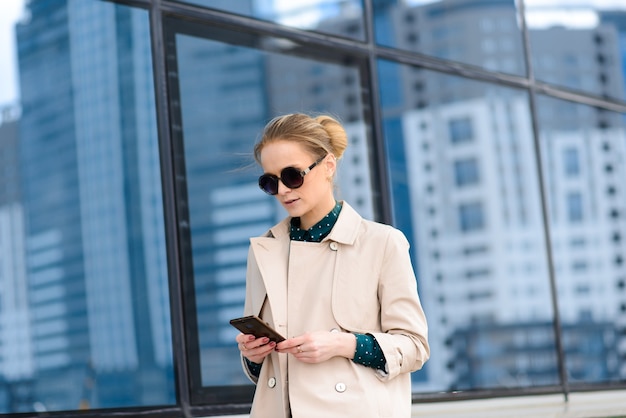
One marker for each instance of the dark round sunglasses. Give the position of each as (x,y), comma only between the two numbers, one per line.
(290,176)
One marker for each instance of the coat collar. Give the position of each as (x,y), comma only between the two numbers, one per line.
(345,230)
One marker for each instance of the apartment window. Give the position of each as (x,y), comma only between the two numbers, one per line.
(582,289)
(471,251)
(574,207)
(579,266)
(471,217)
(466,172)
(460,130)
(571,162)
(578,242)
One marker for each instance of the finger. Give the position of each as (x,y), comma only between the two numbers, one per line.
(259,342)
(299,351)
(291,343)
(244,338)
(257,355)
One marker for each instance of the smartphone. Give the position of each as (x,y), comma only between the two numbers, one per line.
(256,326)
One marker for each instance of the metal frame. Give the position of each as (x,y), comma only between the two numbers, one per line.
(532,103)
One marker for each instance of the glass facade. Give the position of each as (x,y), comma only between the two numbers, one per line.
(96,330)
(483,33)
(491,132)
(581,46)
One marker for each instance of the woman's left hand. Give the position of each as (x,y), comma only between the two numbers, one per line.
(319,346)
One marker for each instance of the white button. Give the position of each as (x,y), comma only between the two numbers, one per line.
(334,330)
(271,382)
(340,387)
(333,246)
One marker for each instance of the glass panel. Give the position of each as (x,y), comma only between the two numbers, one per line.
(228,93)
(466,193)
(581,46)
(84,305)
(337,17)
(479,32)
(584,164)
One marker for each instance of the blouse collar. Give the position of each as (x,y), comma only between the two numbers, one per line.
(317,232)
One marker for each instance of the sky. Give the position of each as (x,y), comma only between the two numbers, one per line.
(10,11)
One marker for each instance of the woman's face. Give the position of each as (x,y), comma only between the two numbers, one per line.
(314,199)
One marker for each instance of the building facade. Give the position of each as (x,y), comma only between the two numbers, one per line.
(128,190)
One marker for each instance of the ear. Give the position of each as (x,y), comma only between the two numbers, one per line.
(331,165)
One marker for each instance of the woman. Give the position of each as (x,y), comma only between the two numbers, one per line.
(341,289)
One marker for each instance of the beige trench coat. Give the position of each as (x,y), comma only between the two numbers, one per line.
(373,291)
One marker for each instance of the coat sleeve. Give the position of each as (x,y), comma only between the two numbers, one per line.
(404,336)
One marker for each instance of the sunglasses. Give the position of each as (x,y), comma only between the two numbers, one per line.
(291,177)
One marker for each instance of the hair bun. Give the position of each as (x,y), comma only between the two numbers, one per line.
(336,133)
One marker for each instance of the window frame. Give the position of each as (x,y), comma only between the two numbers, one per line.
(238,398)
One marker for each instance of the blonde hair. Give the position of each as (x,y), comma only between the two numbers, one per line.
(319,135)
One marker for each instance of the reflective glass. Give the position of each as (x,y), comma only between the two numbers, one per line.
(337,17)
(484,33)
(581,46)
(584,164)
(466,193)
(84,304)
(227,94)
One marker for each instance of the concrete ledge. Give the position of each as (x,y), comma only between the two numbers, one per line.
(580,405)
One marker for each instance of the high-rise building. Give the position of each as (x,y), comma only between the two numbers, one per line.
(95,250)
(16,350)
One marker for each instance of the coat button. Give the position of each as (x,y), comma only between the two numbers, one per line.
(333,246)
(340,387)
(271,382)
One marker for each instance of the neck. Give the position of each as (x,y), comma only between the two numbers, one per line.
(317,215)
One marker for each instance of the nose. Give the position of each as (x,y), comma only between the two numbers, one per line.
(282,189)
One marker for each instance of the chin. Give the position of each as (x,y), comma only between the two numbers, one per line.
(293,211)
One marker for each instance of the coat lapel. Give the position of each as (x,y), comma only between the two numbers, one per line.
(271,255)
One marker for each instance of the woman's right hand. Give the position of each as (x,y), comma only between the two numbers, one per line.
(254,349)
